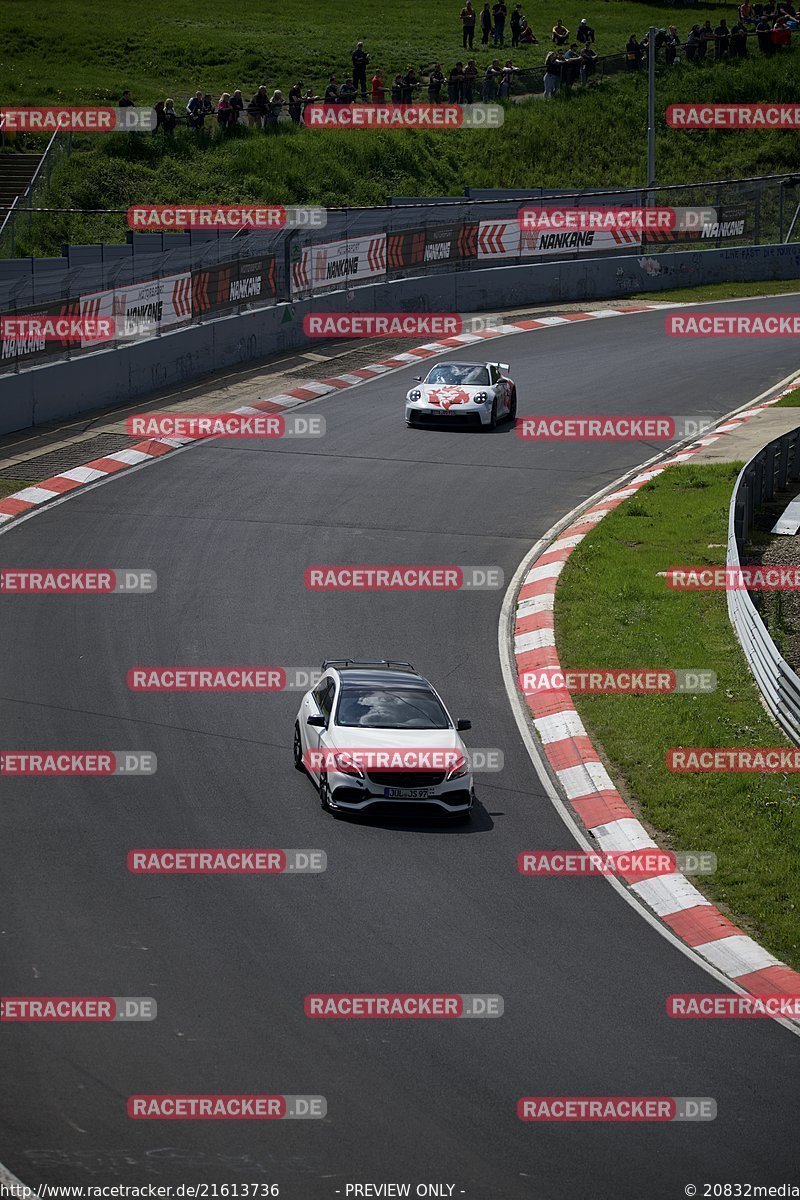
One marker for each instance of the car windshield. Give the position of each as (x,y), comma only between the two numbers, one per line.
(367,706)
(458,374)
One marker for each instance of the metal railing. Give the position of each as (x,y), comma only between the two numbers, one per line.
(767,473)
(58,148)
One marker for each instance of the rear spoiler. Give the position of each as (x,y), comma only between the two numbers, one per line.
(502,366)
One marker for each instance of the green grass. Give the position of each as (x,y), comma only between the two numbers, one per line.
(792,400)
(612,610)
(89,50)
(9,486)
(590,137)
(724,291)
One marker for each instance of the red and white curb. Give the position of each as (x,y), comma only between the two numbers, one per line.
(584,781)
(22,502)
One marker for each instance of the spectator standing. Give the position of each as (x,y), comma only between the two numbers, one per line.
(693,43)
(170,116)
(746,13)
(515,23)
(224,112)
(506,79)
(347,92)
(633,53)
(585,33)
(671,44)
(237,104)
(722,40)
(435,83)
(195,111)
(764,36)
(470,79)
(490,77)
(296,103)
(551,75)
(377,89)
(360,59)
(125,100)
(467,25)
(410,82)
(499,12)
(158,109)
(560,33)
(397,89)
(276,103)
(706,38)
(486,24)
(588,58)
(257,107)
(455,84)
(739,41)
(571,66)
(332,91)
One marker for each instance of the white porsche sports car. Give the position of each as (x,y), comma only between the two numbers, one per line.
(479,392)
(376,734)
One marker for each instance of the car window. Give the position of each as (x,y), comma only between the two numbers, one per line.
(494,375)
(366,705)
(457,374)
(323,694)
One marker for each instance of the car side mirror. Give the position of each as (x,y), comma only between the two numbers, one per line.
(317,720)
(463,725)
(418,379)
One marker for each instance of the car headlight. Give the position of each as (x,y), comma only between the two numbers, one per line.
(481,397)
(460,769)
(344,764)
(415,395)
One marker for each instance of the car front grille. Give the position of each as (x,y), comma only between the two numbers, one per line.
(407,779)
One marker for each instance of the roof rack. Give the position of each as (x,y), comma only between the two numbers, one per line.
(387,663)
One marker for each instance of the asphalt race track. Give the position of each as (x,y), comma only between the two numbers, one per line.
(230,528)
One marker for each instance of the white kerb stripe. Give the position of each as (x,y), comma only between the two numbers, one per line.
(625,834)
(534,640)
(81,474)
(736,955)
(536,604)
(669,894)
(551,320)
(34,495)
(567,543)
(548,571)
(585,780)
(129,456)
(558,726)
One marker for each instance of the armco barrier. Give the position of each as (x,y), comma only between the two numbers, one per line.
(103,378)
(770,471)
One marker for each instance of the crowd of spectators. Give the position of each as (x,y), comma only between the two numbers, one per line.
(572,59)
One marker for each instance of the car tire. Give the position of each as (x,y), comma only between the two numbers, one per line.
(492,422)
(297,749)
(325,794)
(512,409)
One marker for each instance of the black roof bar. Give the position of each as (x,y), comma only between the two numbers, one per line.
(389,664)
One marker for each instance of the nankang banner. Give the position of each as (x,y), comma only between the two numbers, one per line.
(247,281)
(333,265)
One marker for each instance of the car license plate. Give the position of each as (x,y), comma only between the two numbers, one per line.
(407,793)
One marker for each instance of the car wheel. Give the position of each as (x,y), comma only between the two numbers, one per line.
(492,424)
(324,793)
(297,749)
(512,410)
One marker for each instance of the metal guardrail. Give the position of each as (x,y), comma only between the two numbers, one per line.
(770,471)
